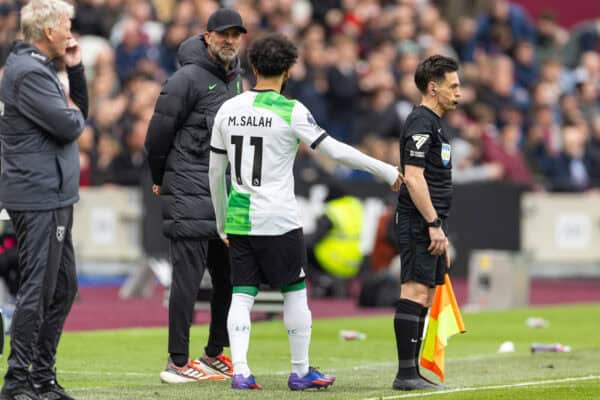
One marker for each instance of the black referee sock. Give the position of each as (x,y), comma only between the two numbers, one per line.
(406,328)
(420,334)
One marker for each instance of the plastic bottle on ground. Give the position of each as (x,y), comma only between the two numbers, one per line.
(550,347)
(352,335)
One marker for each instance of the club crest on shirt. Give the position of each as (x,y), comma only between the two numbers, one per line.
(311,120)
(446,148)
(60,233)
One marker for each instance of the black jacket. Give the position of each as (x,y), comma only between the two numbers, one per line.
(179,137)
(39,160)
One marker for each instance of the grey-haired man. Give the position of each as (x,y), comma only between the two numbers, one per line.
(39,183)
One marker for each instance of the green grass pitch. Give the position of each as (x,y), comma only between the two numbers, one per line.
(124,364)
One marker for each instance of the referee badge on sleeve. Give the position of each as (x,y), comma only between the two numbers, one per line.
(446,153)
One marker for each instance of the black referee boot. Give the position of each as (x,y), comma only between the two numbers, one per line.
(437,385)
(418,383)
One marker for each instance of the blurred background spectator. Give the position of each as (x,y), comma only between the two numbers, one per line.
(530,111)
(529,115)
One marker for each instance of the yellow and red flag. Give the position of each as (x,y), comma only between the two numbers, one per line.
(444,321)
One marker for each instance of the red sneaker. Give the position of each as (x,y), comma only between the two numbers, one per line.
(220,365)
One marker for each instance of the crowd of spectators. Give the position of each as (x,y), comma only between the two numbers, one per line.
(530,106)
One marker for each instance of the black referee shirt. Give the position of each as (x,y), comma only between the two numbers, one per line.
(424,144)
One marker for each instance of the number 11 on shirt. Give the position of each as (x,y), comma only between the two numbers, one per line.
(238,142)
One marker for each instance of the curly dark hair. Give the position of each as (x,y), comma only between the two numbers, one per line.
(433,68)
(272,54)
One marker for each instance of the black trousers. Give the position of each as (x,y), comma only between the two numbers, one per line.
(47,288)
(189,259)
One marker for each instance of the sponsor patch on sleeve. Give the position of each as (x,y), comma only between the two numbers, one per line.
(446,149)
(417,154)
(420,139)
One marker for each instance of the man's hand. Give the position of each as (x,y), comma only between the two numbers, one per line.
(439,242)
(447,256)
(156,189)
(399,181)
(73,53)
(224,238)
(396,186)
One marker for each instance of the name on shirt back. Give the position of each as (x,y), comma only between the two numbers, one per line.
(250,120)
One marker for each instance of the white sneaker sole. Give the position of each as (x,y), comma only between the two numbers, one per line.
(169,377)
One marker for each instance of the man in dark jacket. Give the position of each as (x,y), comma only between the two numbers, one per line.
(178,153)
(39,183)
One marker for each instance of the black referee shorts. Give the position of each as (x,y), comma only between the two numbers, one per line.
(275,260)
(412,238)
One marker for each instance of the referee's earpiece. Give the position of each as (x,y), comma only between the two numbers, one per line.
(433,90)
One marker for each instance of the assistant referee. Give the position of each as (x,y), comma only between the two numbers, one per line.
(423,205)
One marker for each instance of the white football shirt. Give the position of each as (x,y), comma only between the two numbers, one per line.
(260,131)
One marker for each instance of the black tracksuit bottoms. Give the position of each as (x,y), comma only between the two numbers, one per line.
(190,258)
(47,289)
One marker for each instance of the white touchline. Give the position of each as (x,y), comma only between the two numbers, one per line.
(401,396)
(478,388)
(110,388)
(481,357)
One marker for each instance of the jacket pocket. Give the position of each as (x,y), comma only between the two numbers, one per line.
(29,178)
(59,174)
(67,162)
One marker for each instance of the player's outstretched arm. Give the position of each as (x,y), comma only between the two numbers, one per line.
(218,189)
(353,158)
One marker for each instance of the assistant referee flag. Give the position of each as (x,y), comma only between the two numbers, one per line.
(444,321)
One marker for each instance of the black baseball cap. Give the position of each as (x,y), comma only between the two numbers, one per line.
(223,19)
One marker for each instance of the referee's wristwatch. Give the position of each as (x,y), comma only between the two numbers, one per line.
(436,223)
